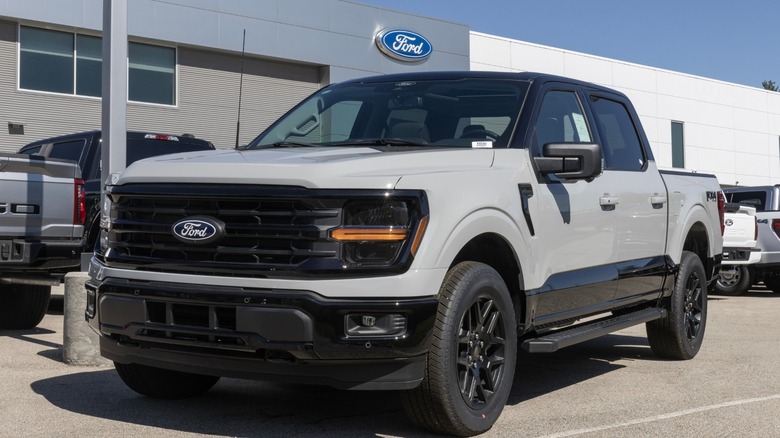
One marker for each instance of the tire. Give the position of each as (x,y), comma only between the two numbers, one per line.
(679,334)
(471,362)
(23,306)
(772,281)
(161,383)
(733,281)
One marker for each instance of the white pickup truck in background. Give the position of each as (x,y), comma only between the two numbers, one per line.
(42,211)
(740,251)
(766,202)
(405,232)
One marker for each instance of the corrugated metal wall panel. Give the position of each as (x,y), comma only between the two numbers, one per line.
(207,101)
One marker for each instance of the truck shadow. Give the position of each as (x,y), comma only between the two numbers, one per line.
(539,374)
(249,408)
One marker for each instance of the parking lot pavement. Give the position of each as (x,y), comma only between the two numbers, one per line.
(609,387)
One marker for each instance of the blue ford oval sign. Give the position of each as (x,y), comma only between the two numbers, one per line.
(404,45)
(198,230)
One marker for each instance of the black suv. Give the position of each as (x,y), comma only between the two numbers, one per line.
(84,148)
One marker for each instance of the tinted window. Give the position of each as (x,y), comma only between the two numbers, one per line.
(749,199)
(619,140)
(152,74)
(45,60)
(560,120)
(138,149)
(35,150)
(89,55)
(68,150)
(433,112)
(46,63)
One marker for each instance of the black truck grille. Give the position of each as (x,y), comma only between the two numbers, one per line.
(264,229)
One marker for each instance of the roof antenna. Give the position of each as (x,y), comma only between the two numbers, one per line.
(240,88)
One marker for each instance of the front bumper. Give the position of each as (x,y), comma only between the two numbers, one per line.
(267,334)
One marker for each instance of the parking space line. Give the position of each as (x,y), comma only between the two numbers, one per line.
(662,417)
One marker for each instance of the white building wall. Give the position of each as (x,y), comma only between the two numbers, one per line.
(730,130)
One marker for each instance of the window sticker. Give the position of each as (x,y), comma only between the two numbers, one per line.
(582,127)
(482,144)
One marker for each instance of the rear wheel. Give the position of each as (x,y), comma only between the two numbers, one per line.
(679,334)
(23,306)
(733,280)
(161,383)
(471,361)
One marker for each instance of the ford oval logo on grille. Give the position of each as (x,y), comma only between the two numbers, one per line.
(199,230)
(404,45)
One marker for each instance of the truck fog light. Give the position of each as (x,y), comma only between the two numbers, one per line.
(357,324)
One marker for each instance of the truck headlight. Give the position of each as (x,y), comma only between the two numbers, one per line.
(375,231)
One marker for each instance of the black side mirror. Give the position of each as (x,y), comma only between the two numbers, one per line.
(570,160)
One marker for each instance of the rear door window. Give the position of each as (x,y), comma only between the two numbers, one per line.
(749,199)
(621,146)
(68,150)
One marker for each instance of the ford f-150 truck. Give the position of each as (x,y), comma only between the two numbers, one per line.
(740,252)
(406,232)
(42,211)
(766,201)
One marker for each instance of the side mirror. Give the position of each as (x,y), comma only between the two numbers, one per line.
(570,160)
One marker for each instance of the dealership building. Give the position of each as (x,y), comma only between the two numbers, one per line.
(185,67)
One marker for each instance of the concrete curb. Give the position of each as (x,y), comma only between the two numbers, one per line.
(80,345)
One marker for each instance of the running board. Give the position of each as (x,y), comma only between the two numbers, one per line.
(552,342)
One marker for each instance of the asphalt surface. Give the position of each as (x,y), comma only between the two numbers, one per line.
(609,387)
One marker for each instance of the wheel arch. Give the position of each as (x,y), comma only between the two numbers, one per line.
(493,250)
(700,238)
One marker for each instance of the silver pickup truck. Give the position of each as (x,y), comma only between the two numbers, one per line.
(405,232)
(42,211)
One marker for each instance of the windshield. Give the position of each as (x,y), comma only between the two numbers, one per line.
(477,113)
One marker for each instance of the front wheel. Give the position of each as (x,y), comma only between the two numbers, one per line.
(679,334)
(161,383)
(733,280)
(471,362)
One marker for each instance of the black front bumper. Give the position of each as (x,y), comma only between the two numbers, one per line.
(279,335)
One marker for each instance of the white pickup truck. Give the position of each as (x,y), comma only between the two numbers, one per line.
(42,211)
(740,250)
(406,232)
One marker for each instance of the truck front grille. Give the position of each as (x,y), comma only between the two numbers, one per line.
(266,230)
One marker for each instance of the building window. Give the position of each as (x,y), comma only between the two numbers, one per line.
(46,63)
(46,60)
(678,145)
(89,65)
(152,75)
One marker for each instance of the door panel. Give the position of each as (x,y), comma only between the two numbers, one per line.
(576,226)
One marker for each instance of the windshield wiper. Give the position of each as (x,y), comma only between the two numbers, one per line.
(289,144)
(377,142)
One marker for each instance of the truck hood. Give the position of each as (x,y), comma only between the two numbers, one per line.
(311,167)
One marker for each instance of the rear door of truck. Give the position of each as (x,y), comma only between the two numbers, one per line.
(639,196)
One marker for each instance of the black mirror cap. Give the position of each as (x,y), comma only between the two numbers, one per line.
(570,160)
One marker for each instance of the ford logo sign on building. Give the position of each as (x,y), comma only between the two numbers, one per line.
(404,45)
(198,230)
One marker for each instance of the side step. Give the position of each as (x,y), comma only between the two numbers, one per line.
(551,342)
